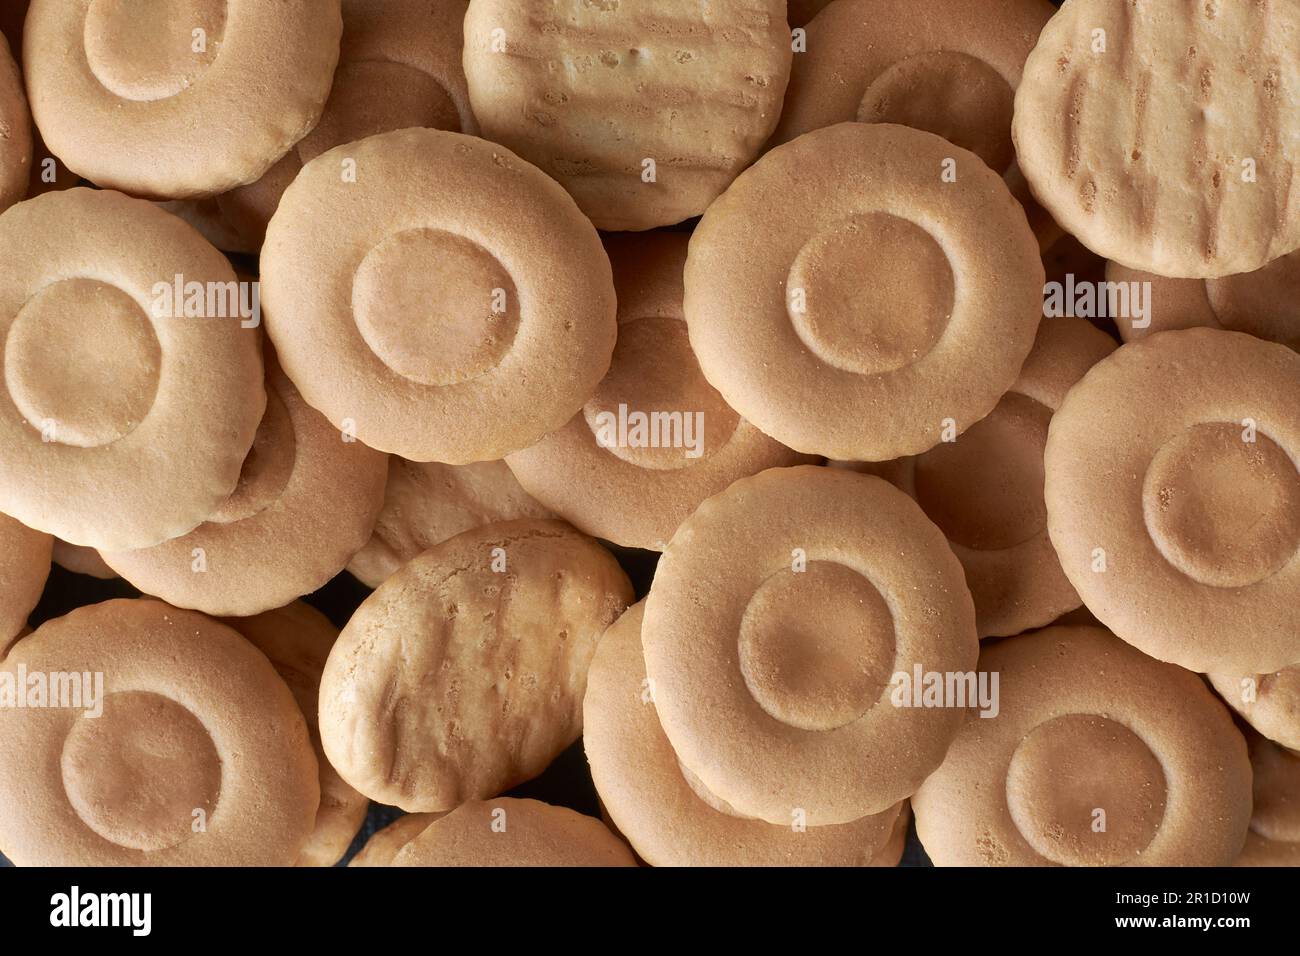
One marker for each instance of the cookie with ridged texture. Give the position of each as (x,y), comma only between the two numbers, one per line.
(1098,756)
(1264,303)
(296,639)
(177,100)
(635,487)
(425,503)
(200,756)
(1274,836)
(24,566)
(451,304)
(136,416)
(661,809)
(463,674)
(1166,134)
(645,112)
(385,844)
(1268,702)
(513,832)
(399,66)
(15,132)
(850,303)
(1173,499)
(779,615)
(306,502)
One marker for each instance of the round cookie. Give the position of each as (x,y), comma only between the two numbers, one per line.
(79,560)
(653,802)
(385,844)
(399,67)
(655,439)
(850,303)
(781,614)
(644,115)
(512,832)
(1173,499)
(1264,303)
(24,566)
(985,489)
(1274,835)
(181,102)
(306,502)
(1099,756)
(1268,702)
(463,674)
(297,640)
(136,417)
(452,304)
(199,758)
(425,503)
(1164,134)
(15,132)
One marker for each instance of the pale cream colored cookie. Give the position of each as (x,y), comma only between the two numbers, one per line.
(24,566)
(381,848)
(1274,836)
(15,132)
(1268,702)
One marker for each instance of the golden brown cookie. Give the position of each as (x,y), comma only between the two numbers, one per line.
(644,112)
(511,832)
(15,132)
(135,415)
(180,100)
(1099,756)
(425,503)
(1164,134)
(306,502)
(849,302)
(781,614)
(656,805)
(450,304)
(655,439)
(381,848)
(24,566)
(198,757)
(1173,499)
(297,641)
(1264,303)
(79,560)
(1268,702)
(1274,836)
(985,488)
(462,675)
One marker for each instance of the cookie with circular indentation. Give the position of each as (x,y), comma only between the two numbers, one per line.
(1164,134)
(297,640)
(849,302)
(1268,702)
(1173,499)
(985,489)
(655,804)
(1264,303)
(306,502)
(513,832)
(198,756)
(16,127)
(182,102)
(425,503)
(399,67)
(655,439)
(1098,756)
(463,674)
(1274,835)
(385,844)
(781,616)
(135,416)
(24,566)
(452,304)
(644,115)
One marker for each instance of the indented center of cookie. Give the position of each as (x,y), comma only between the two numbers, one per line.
(267,466)
(82,362)
(956,96)
(1086,791)
(437,308)
(137,774)
(817,646)
(1222,503)
(871,294)
(654,407)
(149,51)
(985,490)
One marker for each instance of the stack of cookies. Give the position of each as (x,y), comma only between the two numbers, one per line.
(839,422)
